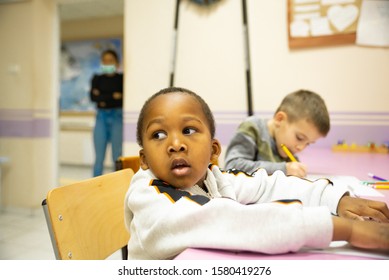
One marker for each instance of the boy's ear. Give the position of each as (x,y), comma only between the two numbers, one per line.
(216,150)
(280,116)
(143,160)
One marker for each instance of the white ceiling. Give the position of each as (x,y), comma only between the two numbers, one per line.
(84,9)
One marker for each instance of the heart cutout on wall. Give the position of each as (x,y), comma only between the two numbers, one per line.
(342,16)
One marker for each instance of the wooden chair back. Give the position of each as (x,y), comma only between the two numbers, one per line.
(132,162)
(86,218)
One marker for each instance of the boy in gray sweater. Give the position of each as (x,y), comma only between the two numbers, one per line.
(300,120)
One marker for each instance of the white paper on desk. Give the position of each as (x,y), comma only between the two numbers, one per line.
(344,248)
(373,24)
(350,182)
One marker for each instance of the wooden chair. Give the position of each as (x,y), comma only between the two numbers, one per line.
(132,162)
(121,163)
(86,218)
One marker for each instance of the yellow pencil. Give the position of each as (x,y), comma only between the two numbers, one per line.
(288,153)
(381,187)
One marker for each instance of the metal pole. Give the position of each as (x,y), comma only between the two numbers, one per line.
(247,59)
(174,48)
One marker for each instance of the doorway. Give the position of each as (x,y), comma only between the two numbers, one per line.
(82,21)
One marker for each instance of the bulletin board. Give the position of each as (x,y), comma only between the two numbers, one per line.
(313,23)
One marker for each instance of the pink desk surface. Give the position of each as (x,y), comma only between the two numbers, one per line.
(211,254)
(324,161)
(319,161)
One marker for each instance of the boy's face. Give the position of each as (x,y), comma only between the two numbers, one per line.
(295,135)
(177,144)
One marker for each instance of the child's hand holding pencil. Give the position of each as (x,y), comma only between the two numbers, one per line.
(294,167)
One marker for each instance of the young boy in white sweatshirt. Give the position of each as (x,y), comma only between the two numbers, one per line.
(177,200)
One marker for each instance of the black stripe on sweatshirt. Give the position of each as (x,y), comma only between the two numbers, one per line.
(288,201)
(175,194)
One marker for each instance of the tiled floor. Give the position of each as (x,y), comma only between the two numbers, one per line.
(24,234)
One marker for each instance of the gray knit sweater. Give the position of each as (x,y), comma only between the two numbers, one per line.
(252,147)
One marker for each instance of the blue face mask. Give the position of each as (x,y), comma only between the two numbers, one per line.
(108,69)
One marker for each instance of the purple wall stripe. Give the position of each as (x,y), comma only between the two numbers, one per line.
(350,133)
(33,128)
(129,133)
(25,123)
(359,134)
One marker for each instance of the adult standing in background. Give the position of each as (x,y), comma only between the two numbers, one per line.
(107,92)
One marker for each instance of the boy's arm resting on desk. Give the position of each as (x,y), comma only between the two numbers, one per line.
(362,234)
(241,153)
(164,224)
(278,186)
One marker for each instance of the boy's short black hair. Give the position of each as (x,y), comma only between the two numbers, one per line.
(206,110)
(308,105)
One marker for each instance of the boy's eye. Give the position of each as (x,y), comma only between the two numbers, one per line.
(299,138)
(159,135)
(188,131)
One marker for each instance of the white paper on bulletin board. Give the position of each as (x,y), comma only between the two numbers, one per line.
(373,25)
(322,22)
(310,18)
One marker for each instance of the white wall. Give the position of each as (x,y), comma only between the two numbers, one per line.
(148,41)
(210,54)
(28,111)
(351,78)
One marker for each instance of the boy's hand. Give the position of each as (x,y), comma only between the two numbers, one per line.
(296,169)
(358,208)
(368,234)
